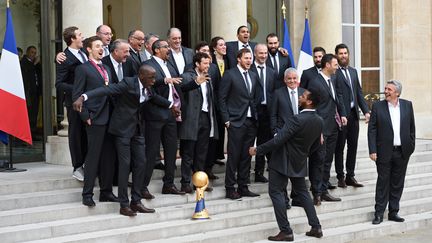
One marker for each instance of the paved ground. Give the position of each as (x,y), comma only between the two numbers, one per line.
(417,236)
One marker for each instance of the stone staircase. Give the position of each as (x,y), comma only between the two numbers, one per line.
(44,205)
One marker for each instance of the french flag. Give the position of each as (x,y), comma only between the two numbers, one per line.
(305,59)
(13,108)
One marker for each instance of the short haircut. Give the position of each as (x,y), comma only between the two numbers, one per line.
(170,30)
(341,46)
(327,58)
(271,35)
(242,51)
(149,36)
(30,47)
(397,84)
(240,27)
(200,45)
(319,49)
(214,41)
(116,44)
(131,33)
(89,41)
(156,45)
(290,70)
(199,56)
(314,97)
(68,34)
(98,28)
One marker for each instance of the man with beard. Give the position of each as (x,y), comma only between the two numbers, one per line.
(311,73)
(347,84)
(277,58)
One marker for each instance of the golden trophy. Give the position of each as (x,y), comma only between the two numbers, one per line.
(201,181)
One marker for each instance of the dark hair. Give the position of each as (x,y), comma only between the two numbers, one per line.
(319,49)
(314,97)
(239,28)
(341,46)
(98,28)
(242,51)
(199,56)
(68,34)
(149,36)
(200,45)
(30,47)
(156,45)
(213,43)
(89,41)
(270,36)
(327,59)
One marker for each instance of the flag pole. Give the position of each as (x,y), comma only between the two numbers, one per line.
(7,3)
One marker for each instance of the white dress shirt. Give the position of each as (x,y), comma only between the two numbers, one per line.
(395,120)
(77,55)
(249,112)
(179,60)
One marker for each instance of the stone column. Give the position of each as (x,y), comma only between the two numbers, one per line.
(325,18)
(226,17)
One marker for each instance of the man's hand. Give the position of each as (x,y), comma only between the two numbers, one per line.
(89,122)
(227,124)
(283,51)
(175,111)
(202,78)
(252,151)
(60,57)
(344,121)
(367,117)
(77,105)
(373,156)
(173,80)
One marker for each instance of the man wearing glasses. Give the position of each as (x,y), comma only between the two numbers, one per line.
(136,42)
(105,34)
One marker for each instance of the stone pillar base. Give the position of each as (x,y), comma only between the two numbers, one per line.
(57,151)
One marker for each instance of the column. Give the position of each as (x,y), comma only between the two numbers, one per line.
(226,17)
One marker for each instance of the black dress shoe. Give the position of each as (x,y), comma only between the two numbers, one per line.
(341,183)
(232,195)
(396,218)
(247,193)
(330,186)
(288,206)
(88,201)
(351,181)
(218,162)
(209,189)
(316,200)
(282,237)
(377,219)
(139,207)
(127,211)
(260,178)
(315,232)
(103,197)
(147,195)
(186,188)
(329,198)
(172,190)
(159,166)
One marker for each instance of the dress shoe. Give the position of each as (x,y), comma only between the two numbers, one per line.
(108,197)
(377,219)
(212,176)
(282,237)
(351,181)
(218,162)
(172,190)
(288,206)
(147,195)
(316,200)
(341,183)
(88,201)
(329,198)
(232,195)
(396,218)
(127,211)
(247,193)
(315,232)
(159,166)
(139,207)
(209,189)
(186,188)
(330,186)
(260,178)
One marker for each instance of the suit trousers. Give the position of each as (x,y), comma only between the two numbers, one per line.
(239,160)
(194,152)
(316,163)
(220,143)
(155,132)
(329,148)
(348,134)
(131,156)
(77,138)
(390,183)
(264,134)
(277,189)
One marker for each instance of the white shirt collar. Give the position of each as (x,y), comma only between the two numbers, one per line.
(241,69)
(114,62)
(307,110)
(159,60)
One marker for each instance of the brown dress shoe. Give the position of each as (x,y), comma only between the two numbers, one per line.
(127,211)
(147,195)
(139,207)
(282,237)
(341,183)
(317,200)
(329,198)
(186,189)
(172,190)
(315,232)
(351,181)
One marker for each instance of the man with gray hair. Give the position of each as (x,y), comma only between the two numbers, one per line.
(118,61)
(391,138)
(149,39)
(179,56)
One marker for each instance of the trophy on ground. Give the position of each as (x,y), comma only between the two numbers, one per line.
(201,181)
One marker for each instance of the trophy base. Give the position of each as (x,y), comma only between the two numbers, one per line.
(201,215)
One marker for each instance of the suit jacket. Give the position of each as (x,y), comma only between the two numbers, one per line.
(30,77)
(134,61)
(307,76)
(231,53)
(281,110)
(284,63)
(127,68)
(380,130)
(328,105)
(127,116)
(187,56)
(87,77)
(234,98)
(270,82)
(192,106)
(299,137)
(343,87)
(65,75)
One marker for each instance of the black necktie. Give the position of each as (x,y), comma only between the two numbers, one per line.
(345,70)
(247,82)
(82,56)
(263,82)
(275,66)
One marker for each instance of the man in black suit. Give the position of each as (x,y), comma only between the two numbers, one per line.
(348,85)
(232,47)
(278,59)
(391,138)
(198,119)
(105,34)
(95,114)
(136,42)
(311,73)
(300,136)
(65,77)
(267,78)
(118,61)
(127,126)
(161,123)
(332,111)
(179,56)
(237,100)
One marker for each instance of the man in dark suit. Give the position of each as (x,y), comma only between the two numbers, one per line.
(237,100)
(232,47)
(391,139)
(179,56)
(95,114)
(118,61)
(299,137)
(65,77)
(332,111)
(311,73)
(198,119)
(149,39)
(267,78)
(127,126)
(278,59)
(161,123)
(136,42)
(348,85)
(105,34)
